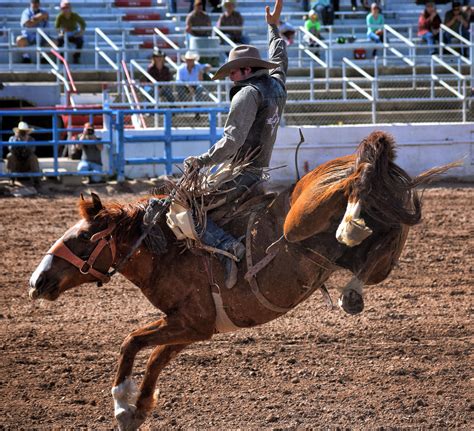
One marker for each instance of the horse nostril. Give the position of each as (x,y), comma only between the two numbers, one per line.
(40,282)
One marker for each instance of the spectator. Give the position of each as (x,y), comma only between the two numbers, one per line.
(22,158)
(458,21)
(72,24)
(158,70)
(363,3)
(91,153)
(31,18)
(198,18)
(190,71)
(231,18)
(428,25)
(375,23)
(325,10)
(313,26)
(287,32)
(216,7)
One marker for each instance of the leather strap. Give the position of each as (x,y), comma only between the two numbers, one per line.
(61,250)
(252,271)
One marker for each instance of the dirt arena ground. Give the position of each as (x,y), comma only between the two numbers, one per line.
(406,362)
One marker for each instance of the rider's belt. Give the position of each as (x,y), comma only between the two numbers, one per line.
(180,221)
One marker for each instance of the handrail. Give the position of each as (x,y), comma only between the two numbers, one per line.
(99,51)
(107,39)
(134,94)
(345,80)
(406,41)
(452,51)
(166,38)
(223,36)
(460,93)
(66,67)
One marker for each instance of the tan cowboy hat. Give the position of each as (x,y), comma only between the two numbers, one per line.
(224,2)
(23,127)
(191,55)
(243,56)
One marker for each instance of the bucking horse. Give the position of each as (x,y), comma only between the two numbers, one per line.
(351,213)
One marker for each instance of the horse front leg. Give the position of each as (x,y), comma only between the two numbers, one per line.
(171,335)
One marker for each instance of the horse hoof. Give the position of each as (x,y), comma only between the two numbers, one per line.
(126,419)
(351,302)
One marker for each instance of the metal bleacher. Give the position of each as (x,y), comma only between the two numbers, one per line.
(403,84)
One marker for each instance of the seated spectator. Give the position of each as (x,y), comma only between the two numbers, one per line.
(158,70)
(216,7)
(287,31)
(231,18)
(363,3)
(91,159)
(31,18)
(198,18)
(325,10)
(428,25)
(22,158)
(73,25)
(313,26)
(190,71)
(458,21)
(375,23)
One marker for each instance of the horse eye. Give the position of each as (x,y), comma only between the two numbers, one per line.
(85,236)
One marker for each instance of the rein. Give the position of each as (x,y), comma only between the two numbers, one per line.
(103,238)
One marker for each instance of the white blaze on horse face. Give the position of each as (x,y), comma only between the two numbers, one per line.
(47,261)
(352,229)
(44,266)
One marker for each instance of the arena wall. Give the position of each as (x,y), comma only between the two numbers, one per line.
(420,147)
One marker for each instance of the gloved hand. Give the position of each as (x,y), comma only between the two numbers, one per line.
(192,163)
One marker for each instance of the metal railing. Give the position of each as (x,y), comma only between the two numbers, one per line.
(460,92)
(372,81)
(57,140)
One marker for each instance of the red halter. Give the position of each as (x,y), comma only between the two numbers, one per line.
(61,250)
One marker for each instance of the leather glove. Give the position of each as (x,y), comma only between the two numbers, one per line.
(192,163)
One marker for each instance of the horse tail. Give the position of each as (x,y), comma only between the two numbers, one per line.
(386,192)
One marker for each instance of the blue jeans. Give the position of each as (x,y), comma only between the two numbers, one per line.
(374,37)
(84,165)
(215,236)
(429,38)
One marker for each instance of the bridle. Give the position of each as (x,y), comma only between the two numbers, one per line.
(103,239)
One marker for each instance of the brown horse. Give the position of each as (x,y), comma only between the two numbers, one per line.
(185,286)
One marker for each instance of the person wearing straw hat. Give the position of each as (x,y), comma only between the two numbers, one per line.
(258,98)
(22,158)
(190,72)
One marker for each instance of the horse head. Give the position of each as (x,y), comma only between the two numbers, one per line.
(83,254)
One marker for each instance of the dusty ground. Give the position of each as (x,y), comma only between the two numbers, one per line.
(405,362)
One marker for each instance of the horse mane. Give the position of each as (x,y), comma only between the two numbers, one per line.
(386,191)
(128,218)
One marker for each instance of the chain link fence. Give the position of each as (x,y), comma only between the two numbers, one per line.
(351,99)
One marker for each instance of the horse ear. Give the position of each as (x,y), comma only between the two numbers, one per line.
(96,201)
(82,197)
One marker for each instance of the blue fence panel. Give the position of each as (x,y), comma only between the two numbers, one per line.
(56,140)
(115,138)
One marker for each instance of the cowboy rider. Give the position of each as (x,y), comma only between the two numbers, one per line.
(258,98)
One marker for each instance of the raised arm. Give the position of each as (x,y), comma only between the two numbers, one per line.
(277,46)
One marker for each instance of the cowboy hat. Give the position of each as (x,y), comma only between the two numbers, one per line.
(23,127)
(158,53)
(243,56)
(190,55)
(224,2)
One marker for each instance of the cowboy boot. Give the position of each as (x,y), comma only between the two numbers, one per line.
(231,270)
